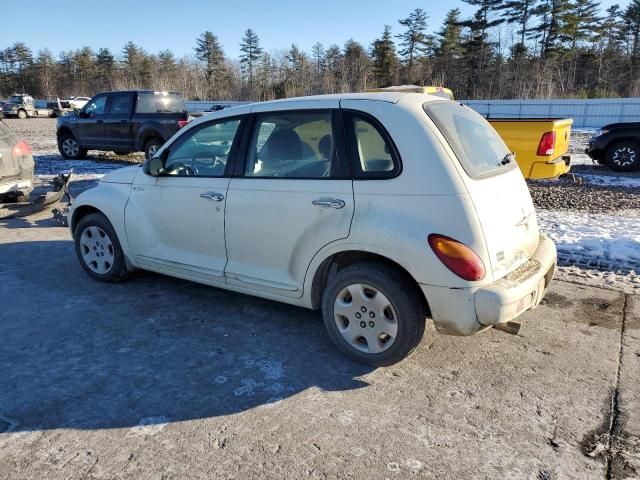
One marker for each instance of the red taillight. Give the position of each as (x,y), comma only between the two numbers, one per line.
(457,257)
(182,123)
(547,144)
(21,149)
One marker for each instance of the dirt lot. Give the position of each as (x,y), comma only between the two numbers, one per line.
(161,378)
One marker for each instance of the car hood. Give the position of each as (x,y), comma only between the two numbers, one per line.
(121,175)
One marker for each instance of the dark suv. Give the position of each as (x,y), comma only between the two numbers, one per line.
(124,122)
(617,145)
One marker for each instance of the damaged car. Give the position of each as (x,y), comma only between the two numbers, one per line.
(16,166)
(380,209)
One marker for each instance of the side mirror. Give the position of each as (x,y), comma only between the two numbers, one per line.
(154,166)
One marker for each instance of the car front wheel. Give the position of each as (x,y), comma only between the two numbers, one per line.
(151,148)
(623,156)
(98,249)
(373,313)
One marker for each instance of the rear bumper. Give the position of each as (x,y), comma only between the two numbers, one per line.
(551,169)
(464,311)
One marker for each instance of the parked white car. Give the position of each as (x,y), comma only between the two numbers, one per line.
(382,209)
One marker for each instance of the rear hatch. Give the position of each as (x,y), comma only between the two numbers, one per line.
(496,186)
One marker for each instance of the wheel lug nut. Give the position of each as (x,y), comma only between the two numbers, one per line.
(372,315)
(364,309)
(358,315)
(363,324)
(372,324)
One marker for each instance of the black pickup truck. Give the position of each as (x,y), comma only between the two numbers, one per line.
(124,122)
(617,145)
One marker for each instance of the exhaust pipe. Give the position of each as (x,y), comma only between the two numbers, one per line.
(509,327)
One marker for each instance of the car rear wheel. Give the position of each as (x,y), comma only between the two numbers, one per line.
(623,156)
(22,114)
(151,148)
(70,148)
(98,249)
(373,313)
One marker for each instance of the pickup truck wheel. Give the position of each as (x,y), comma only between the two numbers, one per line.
(373,313)
(98,249)
(151,147)
(69,148)
(22,114)
(623,156)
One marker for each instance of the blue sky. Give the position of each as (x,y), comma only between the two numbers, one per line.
(160,24)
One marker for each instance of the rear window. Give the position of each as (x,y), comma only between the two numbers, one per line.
(160,102)
(477,145)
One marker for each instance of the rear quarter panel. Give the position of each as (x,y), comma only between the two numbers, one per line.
(394,217)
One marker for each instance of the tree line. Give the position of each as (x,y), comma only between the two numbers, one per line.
(506,49)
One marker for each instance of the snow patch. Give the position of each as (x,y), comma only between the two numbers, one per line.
(610,180)
(148,426)
(594,240)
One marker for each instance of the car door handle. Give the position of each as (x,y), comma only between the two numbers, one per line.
(333,203)
(218,197)
(124,121)
(99,121)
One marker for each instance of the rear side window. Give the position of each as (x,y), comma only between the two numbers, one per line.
(477,145)
(160,102)
(120,104)
(299,144)
(372,150)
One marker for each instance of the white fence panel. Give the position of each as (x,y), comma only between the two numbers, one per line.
(592,113)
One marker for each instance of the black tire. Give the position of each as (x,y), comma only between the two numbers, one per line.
(22,114)
(623,156)
(404,297)
(151,147)
(117,269)
(70,153)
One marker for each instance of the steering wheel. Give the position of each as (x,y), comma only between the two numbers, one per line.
(182,169)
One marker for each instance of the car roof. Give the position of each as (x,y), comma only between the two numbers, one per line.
(314,101)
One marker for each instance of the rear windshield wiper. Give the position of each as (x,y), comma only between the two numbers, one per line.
(507,158)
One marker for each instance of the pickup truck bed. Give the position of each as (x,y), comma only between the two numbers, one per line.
(541,145)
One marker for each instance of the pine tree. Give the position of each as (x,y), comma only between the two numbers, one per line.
(414,41)
(632,25)
(105,66)
(519,12)
(251,52)
(385,59)
(581,22)
(357,66)
(551,28)
(449,49)
(478,48)
(209,51)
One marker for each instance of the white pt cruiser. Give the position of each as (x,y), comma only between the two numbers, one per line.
(382,209)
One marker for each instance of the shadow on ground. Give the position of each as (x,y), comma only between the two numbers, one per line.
(75,353)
